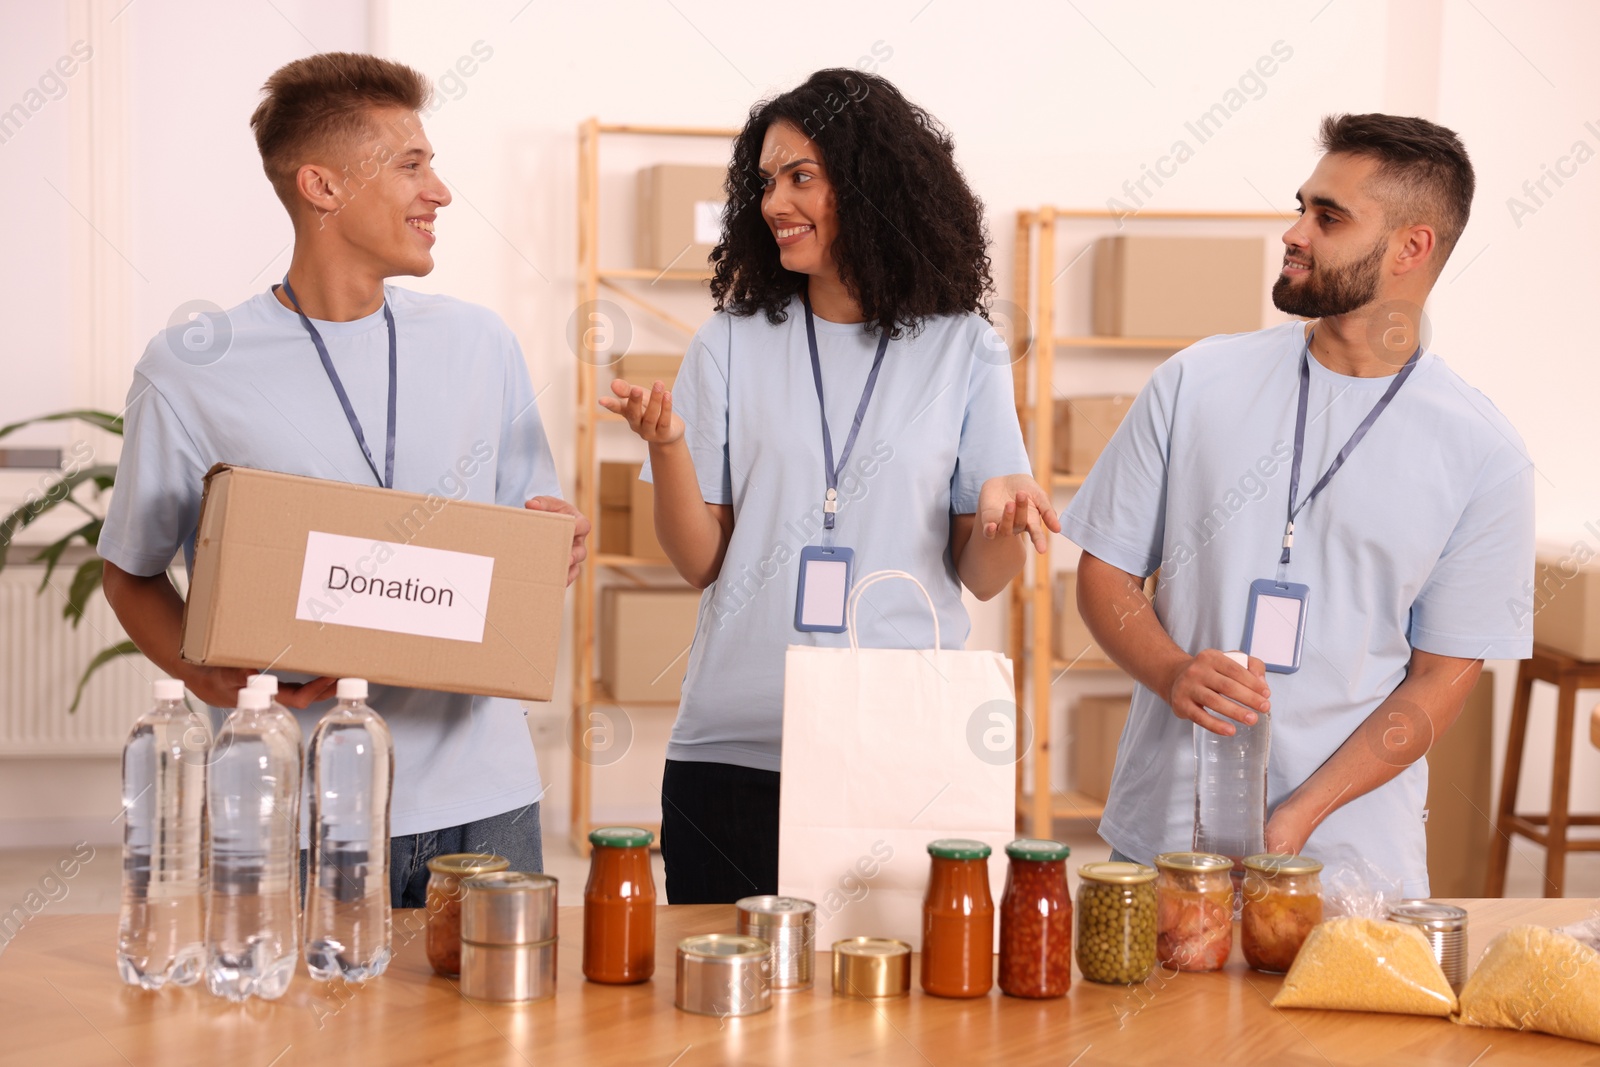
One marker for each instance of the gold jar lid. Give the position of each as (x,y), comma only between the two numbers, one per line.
(1282,863)
(871,967)
(1116,872)
(463,864)
(1193,862)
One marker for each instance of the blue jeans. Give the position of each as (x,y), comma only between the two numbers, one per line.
(513,834)
(1117,857)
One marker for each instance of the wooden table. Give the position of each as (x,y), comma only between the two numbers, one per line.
(61,1003)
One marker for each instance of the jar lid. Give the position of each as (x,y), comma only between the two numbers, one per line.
(1441,918)
(768,910)
(621,837)
(731,947)
(958,848)
(467,863)
(1282,863)
(871,967)
(1195,862)
(1117,873)
(512,881)
(1037,849)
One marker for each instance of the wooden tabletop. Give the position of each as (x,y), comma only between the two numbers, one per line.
(62,1004)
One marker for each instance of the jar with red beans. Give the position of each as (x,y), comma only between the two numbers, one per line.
(1036,921)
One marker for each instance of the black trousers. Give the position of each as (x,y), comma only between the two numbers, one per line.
(719,832)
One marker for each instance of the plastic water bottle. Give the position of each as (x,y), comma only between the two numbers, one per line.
(268,683)
(161,934)
(252,945)
(347,906)
(1230,786)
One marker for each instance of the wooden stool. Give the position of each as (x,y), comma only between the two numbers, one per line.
(1568,675)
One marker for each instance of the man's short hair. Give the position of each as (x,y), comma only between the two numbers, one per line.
(1423,168)
(322,100)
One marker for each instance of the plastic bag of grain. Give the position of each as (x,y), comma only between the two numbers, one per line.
(1532,978)
(1355,963)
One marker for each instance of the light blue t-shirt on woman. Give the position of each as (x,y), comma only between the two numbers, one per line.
(941,421)
(1423,539)
(466,428)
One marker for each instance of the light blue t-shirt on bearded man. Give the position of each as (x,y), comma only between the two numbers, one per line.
(942,420)
(466,428)
(1423,539)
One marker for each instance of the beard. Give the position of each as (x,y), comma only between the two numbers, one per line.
(1332,290)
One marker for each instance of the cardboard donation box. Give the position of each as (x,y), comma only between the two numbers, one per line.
(1458,795)
(406,589)
(1178,286)
(1097,724)
(628,513)
(1083,428)
(680,215)
(1073,642)
(1566,605)
(645,370)
(644,641)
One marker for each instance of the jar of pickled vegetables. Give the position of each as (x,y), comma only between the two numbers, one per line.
(958,921)
(444,904)
(1194,910)
(1116,922)
(1282,902)
(1036,921)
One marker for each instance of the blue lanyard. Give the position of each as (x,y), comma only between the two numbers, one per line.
(386,479)
(1344,453)
(830,503)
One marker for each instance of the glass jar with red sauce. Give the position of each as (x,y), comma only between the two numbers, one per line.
(958,920)
(619,907)
(1036,921)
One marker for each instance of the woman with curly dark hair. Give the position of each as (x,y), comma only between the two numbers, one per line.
(848,409)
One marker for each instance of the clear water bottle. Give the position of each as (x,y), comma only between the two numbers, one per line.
(347,905)
(1230,786)
(161,934)
(252,945)
(268,683)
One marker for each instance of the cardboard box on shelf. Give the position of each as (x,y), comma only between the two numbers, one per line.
(645,635)
(1083,428)
(1458,797)
(614,536)
(1096,724)
(399,588)
(645,370)
(1177,286)
(680,215)
(642,520)
(1073,642)
(1566,605)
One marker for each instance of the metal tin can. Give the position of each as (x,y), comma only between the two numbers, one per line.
(724,974)
(789,925)
(868,968)
(1445,927)
(508,908)
(508,972)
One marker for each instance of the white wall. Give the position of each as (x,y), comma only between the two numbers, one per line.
(1048,103)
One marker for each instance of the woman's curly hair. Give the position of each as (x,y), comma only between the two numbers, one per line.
(911,240)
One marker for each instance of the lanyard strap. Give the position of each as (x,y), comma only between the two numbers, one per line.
(830,503)
(1344,453)
(386,479)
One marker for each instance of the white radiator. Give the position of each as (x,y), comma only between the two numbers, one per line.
(41,658)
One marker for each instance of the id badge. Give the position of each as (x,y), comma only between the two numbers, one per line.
(825,577)
(1275,625)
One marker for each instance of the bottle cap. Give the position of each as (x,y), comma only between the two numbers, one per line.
(352,689)
(168,689)
(254,700)
(621,837)
(958,848)
(268,683)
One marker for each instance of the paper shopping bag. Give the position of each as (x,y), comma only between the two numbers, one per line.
(885,750)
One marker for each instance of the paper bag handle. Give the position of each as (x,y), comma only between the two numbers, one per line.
(883,576)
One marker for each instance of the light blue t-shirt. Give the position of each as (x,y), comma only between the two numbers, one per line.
(1421,540)
(466,428)
(942,420)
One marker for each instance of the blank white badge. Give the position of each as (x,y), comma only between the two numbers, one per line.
(823,596)
(1276,632)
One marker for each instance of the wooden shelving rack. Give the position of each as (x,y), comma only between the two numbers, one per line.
(1034,351)
(592,277)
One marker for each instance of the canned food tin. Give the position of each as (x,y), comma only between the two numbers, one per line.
(508,908)
(724,974)
(871,967)
(508,972)
(1445,927)
(789,925)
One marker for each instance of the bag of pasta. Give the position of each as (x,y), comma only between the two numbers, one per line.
(1360,961)
(1532,978)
